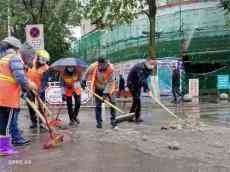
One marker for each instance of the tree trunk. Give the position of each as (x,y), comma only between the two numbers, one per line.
(152,47)
(152,25)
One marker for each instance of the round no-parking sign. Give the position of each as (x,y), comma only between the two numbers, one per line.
(34,32)
(35,36)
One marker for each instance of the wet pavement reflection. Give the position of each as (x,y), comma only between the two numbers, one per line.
(82,154)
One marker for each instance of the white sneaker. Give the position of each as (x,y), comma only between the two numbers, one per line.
(115,128)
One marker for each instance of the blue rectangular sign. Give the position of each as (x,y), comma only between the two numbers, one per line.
(223,82)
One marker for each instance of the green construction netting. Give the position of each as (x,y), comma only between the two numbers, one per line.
(202,25)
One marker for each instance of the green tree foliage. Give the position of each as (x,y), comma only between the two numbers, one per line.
(3,19)
(56,15)
(226,4)
(107,13)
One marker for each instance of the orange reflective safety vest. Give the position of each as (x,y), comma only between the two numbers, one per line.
(107,74)
(72,84)
(36,74)
(9,88)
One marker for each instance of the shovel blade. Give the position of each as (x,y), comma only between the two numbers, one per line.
(125,117)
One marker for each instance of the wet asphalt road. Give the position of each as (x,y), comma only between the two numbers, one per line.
(80,153)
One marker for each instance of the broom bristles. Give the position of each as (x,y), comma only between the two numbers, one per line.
(57,140)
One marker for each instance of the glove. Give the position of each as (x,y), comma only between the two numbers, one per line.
(74,94)
(63,98)
(24,95)
(32,85)
(27,94)
(83,84)
(105,96)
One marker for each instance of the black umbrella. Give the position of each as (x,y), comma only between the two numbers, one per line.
(60,64)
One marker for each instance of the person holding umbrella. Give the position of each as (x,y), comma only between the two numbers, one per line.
(38,74)
(71,70)
(103,84)
(72,88)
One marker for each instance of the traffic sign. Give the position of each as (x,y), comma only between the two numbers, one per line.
(35,36)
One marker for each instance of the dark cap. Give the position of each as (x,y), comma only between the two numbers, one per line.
(101,60)
(152,58)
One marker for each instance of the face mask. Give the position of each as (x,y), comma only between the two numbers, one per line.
(70,69)
(149,66)
(18,53)
(41,61)
(102,67)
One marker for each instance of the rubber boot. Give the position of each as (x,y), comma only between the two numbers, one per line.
(6,147)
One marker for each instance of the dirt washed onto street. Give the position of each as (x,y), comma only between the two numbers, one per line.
(135,148)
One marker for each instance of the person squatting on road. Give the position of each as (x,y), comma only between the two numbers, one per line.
(72,87)
(103,84)
(12,81)
(137,78)
(38,74)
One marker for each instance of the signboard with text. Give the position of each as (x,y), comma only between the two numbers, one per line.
(53,95)
(35,36)
(194,87)
(223,82)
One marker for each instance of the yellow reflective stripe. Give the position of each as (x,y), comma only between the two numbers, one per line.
(8,78)
(6,59)
(69,81)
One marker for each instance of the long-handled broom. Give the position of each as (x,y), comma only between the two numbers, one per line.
(149,82)
(56,122)
(120,118)
(55,139)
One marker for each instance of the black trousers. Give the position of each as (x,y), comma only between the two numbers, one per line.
(98,109)
(73,113)
(5,115)
(176,92)
(136,105)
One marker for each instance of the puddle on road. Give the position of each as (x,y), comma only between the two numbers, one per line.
(218,113)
